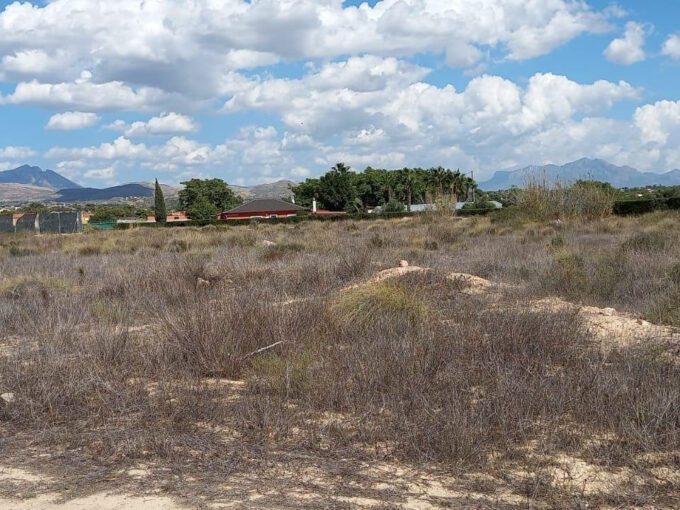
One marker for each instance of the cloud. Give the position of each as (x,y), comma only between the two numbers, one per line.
(70,121)
(658,122)
(121,148)
(107,173)
(11,152)
(166,123)
(87,95)
(32,62)
(391,100)
(671,47)
(136,51)
(363,94)
(392,119)
(629,49)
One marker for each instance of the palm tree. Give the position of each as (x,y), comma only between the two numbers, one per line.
(454,181)
(409,180)
(435,179)
(391,180)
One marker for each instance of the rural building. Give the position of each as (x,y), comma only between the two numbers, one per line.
(172,216)
(263,208)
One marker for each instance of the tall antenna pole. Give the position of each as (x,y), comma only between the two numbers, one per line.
(472,174)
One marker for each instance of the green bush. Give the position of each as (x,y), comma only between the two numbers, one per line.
(393,206)
(625,207)
(673,203)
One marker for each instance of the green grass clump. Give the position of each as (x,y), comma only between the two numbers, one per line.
(362,306)
(10,286)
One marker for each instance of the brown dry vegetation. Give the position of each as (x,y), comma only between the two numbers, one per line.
(142,348)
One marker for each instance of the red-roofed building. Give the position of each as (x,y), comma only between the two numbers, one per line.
(263,208)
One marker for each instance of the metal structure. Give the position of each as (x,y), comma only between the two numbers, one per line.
(48,223)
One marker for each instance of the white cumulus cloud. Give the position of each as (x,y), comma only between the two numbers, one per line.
(166,123)
(134,49)
(71,121)
(628,49)
(671,47)
(12,152)
(107,173)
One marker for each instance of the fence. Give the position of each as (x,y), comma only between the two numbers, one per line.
(48,223)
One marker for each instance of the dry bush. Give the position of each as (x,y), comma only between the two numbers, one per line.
(545,201)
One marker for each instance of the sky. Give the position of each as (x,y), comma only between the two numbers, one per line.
(107,92)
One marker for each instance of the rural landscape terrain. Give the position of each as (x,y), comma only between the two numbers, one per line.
(523,359)
(339,254)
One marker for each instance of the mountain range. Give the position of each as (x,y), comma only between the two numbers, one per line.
(30,183)
(593,169)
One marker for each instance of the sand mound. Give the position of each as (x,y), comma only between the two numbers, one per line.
(606,324)
(610,326)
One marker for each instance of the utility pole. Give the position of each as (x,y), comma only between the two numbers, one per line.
(472,174)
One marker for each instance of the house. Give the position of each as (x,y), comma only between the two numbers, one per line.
(172,216)
(263,208)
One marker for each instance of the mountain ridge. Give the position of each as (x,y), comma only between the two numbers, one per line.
(36,176)
(19,186)
(24,188)
(584,168)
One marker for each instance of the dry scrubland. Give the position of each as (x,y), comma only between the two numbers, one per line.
(132,357)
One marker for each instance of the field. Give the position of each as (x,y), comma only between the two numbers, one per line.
(512,364)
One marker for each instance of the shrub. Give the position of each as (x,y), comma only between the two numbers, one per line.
(567,275)
(16,250)
(624,207)
(177,246)
(583,199)
(646,241)
(393,206)
(377,302)
(279,251)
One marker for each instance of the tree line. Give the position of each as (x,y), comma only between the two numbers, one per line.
(341,189)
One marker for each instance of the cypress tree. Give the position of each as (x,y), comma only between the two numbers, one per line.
(159,205)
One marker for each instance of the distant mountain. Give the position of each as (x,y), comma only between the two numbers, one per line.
(94,194)
(13,193)
(278,189)
(594,169)
(168,191)
(17,193)
(35,176)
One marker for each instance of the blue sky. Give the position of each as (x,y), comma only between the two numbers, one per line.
(109,92)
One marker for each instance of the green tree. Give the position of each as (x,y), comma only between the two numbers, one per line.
(35,207)
(435,179)
(201,198)
(306,192)
(160,211)
(372,187)
(103,213)
(336,189)
(203,210)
